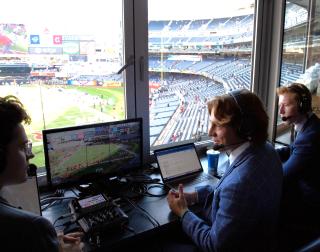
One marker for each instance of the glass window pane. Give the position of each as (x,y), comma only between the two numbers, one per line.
(301,55)
(60,58)
(294,40)
(196,50)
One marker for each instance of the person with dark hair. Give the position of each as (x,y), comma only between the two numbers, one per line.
(301,201)
(241,212)
(21,230)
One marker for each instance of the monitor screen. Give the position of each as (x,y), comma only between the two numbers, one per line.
(82,153)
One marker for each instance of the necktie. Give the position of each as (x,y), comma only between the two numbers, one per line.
(292,135)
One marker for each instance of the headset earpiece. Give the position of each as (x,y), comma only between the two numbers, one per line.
(304,97)
(245,128)
(304,104)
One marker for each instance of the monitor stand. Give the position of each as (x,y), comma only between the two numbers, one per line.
(112,187)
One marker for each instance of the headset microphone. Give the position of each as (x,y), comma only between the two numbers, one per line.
(218,146)
(285,118)
(32,170)
(221,146)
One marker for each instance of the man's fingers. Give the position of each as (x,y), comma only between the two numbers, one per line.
(67,239)
(181,190)
(76,234)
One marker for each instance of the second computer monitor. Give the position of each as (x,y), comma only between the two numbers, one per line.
(88,152)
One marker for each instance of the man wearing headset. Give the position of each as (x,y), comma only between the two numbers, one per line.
(241,212)
(301,159)
(21,230)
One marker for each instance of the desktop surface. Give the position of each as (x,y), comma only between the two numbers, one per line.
(138,224)
(149,216)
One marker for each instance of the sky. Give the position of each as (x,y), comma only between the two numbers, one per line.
(70,16)
(196,9)
(94,16)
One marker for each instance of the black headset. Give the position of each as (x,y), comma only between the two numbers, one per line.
(304,97)
(247,123)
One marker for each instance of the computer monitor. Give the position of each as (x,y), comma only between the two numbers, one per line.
(88,152)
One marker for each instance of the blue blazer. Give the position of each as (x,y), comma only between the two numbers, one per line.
(301,161)
(241,213)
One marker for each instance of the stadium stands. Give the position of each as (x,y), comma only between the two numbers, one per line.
(178,108)
(221,48)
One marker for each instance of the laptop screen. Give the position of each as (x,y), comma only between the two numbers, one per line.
(176,162)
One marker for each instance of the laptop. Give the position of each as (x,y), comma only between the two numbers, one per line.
(181,165)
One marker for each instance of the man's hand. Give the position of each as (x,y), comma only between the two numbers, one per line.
(191,197)
(177,201)
(70,242)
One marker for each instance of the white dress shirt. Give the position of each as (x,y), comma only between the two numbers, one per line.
(236,152)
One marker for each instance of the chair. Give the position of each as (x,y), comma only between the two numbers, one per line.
(312,246)
(298,230)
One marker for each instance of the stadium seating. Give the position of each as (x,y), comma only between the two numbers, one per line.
(178,111)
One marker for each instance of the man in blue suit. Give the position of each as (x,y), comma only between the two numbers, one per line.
(301,162)
(241,212)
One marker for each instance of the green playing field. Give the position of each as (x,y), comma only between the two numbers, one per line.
(56,106)
(93,154)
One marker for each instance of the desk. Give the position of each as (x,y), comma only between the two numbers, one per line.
(157,207)
(143,228)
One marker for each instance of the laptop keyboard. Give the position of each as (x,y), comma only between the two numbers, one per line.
(196,179)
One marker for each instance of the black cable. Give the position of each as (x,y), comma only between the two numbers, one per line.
(145,213)
(143,189)
(150,219)
(44,201)
(146,216)
(139,188)
(66,224)
(141,178)
(57,193)
(135,190)
(48,205)
(156,185)
(49,202)
(130,229)
(62,217)
(74,192)
(60,192)
(60,225)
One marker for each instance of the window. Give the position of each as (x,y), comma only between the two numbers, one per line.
(301,54)
(197,49)
(60,59)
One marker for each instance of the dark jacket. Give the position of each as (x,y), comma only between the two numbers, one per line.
(24,231)
(301,163)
